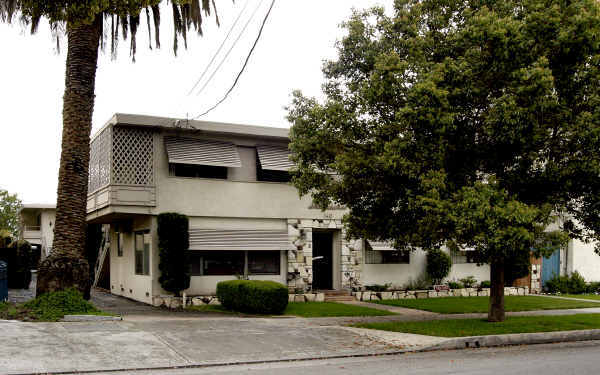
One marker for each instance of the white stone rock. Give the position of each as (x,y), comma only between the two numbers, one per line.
(291,297)
(443,293)
(386,295)
(299,298)
(310,297)
(214,301)
(432,294)
(473,294)
(320,297)
(410,296)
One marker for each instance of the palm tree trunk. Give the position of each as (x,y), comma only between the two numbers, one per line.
(496,311)
(66,266)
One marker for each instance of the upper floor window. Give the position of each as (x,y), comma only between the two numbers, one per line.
(203,171)
(273,163)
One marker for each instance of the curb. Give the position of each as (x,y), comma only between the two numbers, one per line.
(516,339)
(90,318)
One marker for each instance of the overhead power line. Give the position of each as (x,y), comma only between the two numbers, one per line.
(220,47)
(230,49)
(237,78)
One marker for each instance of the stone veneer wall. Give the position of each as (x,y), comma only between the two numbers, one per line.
(300,273)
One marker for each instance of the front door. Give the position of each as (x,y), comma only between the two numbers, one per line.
(322,260)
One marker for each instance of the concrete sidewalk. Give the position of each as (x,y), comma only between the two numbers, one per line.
(75,347)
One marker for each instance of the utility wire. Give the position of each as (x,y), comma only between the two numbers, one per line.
(220,47)
(245,63)
(230,49)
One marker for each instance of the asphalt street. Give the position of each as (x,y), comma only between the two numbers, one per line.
(581,358)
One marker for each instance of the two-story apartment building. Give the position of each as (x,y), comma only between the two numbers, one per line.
(37,226)
(246,219)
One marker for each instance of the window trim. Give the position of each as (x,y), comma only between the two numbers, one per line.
(246,266)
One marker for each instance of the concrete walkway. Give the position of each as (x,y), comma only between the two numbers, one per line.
(569,298)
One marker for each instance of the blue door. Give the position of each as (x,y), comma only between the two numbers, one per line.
(550,267)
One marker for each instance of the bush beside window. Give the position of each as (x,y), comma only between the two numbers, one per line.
(173,243)
(438,265)
(253,296)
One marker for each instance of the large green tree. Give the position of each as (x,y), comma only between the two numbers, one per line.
(10,205)
(89,25)
(466,124)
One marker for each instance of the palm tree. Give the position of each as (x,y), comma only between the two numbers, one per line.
(88,25)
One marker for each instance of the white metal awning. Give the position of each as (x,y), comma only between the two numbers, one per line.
(218,239)
(202,152)
(381,246)
(274,158)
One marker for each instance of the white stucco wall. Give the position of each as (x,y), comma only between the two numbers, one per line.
(123,280)
(583,259)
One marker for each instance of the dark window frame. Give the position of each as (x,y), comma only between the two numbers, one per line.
(198,171)
(462,257)
(267,175)
(198,266)
(385,256)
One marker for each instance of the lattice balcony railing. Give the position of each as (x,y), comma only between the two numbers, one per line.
(121,155)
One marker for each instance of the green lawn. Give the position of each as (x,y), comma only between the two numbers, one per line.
(308,309)
(463,305)
(477,327)
(594,297)
(322,309)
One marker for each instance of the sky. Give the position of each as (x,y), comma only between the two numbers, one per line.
(298,37)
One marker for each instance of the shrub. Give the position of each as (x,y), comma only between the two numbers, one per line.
(517,267)
(420,283)
(573,284)
(173,244)
(55,305)
(253,296)
(485,284)
(592,287)
(468,281)
(438,265)
(19,258)
(454,285)
(377,287)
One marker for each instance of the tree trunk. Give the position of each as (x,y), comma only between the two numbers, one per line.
(496,312)
(66,267)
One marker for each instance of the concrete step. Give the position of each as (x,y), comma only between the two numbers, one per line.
(339,298)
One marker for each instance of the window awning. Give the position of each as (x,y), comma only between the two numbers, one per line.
(381,246)
(218,239)
(202,152)
(274,158)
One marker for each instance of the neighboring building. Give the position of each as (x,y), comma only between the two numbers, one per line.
(245,217)
(37,226)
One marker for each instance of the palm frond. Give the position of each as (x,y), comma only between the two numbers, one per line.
(119,17)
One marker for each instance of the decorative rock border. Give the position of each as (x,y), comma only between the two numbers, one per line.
(412,294)
(307,297)
(172,302)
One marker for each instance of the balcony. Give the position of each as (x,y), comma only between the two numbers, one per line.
(32,233)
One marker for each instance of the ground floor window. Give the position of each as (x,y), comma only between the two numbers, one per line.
(461,257)
(387,257)
(227,263)
(142,253)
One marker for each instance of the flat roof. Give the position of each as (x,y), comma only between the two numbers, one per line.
(47,206)
(194,125)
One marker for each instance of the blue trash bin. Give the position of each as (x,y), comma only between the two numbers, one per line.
(3,281)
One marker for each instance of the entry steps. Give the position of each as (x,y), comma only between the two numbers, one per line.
(337,295)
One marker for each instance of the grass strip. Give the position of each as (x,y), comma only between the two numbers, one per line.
(479,327)
(466,305)
(329,309)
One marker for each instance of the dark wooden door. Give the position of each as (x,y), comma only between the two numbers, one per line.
(323,267)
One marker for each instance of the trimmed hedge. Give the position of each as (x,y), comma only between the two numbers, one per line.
(253,296)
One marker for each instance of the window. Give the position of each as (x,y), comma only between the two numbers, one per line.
(270,175)
(119,244)
(461,257)
(201,171)
(142,253)
(216,263)
(387,257)
(264,263)
(229,263)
